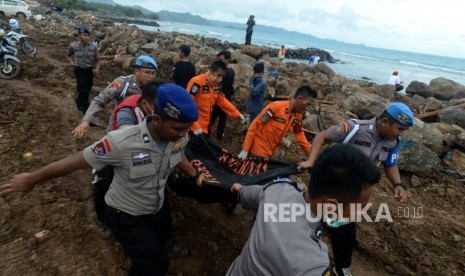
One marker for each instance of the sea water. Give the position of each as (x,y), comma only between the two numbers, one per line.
(356,61)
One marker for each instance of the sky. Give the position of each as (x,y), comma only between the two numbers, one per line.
(429,27)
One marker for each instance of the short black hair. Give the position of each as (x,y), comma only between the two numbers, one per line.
(259,67)
(306,91)
(342,171)
(226,54)
(385,114)
(186,50)
(149,91)
(217,65)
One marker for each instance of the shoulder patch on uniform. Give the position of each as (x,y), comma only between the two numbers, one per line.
(146,138)
(177,147)
(345,127)
(195,88)
(205,89)
(116,85)
(102,148)
(268,114)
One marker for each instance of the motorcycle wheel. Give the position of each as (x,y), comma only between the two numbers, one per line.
(29,47)
(9,69)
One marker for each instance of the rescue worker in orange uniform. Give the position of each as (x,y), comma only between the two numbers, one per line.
(206,90)
(275,121)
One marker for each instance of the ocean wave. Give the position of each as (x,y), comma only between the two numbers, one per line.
(360,56)
(439,68)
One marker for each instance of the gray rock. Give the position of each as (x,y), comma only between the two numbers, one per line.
(415,157)
(456,160)
(432,104)
(427,135)
(323,68)
(453,116)
(445,89)
(419,88)
(365,105)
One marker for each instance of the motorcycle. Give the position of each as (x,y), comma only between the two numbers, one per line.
(10,66)
(27,44)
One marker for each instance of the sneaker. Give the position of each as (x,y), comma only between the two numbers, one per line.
(341,272)
(175,250)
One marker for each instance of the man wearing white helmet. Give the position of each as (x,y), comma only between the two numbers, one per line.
(14,24)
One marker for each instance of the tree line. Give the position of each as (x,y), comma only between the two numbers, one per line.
(104,8)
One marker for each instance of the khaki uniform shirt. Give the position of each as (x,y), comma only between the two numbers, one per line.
(141,168)
(118,90)
(280,247)
(366,139)
(85,56)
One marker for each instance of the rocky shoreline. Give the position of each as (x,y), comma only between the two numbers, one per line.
(352,98)
(432,157)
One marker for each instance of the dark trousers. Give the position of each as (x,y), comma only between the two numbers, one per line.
(252,116)
(248,37)
(84,81)
(101,184)
(142,239)
(101,181)
(343,243)
(217,112)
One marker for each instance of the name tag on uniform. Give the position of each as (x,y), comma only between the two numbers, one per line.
(281,120)
(141,158)
(362,143)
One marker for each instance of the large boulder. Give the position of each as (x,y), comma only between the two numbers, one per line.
(415,157)
(385,90)
(419,88)
(254,51)
(432,104)
(242,58)
(282,88)
(365,105)
(453,116)
(456,160)
(324,69)
(425,134)
(445,89)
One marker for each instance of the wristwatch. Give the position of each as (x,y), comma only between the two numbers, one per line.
(404,186)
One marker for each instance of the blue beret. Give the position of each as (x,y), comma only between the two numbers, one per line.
(401,113)
(174,101)
(274,74)
(83,30)
(146,62)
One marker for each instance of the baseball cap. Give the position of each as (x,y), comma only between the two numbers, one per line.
(173,101)
(401,113)
(145,61)
(83,29)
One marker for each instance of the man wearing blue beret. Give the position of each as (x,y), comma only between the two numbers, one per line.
(378,138)
(145,71)
(142,157)
(84,57)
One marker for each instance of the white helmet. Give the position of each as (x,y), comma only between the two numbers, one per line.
(2,33)
(13,23)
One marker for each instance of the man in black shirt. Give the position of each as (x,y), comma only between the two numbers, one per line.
(183,70)
(228,90)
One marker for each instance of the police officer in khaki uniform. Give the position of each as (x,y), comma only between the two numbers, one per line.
(84,56)
(285,243)
(118,90)
(379,139)
(142,156)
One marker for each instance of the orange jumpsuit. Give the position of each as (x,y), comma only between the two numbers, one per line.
(206,96)
(270,126)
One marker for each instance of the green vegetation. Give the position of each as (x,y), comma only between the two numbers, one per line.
(104,8)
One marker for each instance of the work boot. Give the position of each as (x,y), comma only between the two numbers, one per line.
(175,249)
(341,271)
(105,231)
